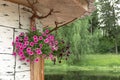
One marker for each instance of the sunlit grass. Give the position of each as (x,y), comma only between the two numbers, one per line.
(100,60)
(108,63)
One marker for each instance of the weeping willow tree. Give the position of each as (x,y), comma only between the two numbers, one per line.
(79,37)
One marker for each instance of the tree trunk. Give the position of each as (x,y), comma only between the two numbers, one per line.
(116,47)
(37,70)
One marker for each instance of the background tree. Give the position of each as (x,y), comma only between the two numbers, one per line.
(109,15)
(80,38)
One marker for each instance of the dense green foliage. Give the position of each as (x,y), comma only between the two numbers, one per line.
(109,16)
(98,33)
(93,40)
(81,40)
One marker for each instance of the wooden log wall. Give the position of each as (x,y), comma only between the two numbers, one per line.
(13,20)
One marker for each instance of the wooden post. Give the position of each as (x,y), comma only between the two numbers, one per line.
(36,69)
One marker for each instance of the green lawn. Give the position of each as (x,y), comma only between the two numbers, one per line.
(88,63)
(108,60)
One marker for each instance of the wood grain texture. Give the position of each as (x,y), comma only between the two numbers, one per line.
(6,40)
(37,70)
(22,75)
(64,10)
(9,15)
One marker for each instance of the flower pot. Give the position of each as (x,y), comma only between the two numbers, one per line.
(37,69)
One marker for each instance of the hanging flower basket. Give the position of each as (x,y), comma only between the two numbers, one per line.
(34,44)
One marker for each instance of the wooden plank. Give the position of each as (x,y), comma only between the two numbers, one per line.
(6,40)
(9,15)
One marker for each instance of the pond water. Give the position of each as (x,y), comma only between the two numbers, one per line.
(83,76)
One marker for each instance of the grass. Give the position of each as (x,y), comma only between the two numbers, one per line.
(109,60)
(108,63)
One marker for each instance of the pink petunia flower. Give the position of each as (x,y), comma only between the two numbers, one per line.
(28,49)
(51,38)
(36,40)
(31,53)
(20,44)
(51,56)
(44,34)
(51,44)
(38,51)
(27,60)
(56,42)
(17,39)
(40,45)
(24,46)
(13,43)
(22,59)
(14,54)
(22,56)
(16,46)
(21,34)
(33,29)
(31,44)
(54,48)
(20,53)
(46,40)
(40,37)
(26,38)
(35,37)
(26,43)
(47,31)
(36,60)
(21,48)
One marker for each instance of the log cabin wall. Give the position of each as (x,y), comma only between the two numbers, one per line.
(13,20)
